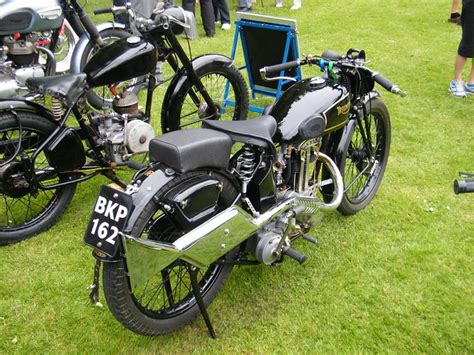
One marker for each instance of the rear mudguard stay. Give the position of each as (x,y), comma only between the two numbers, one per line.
(26,106)
(181,78)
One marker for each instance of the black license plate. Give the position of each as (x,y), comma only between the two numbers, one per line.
(111,212)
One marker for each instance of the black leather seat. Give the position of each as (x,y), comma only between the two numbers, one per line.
(258,131)
(191,149)
(67,87)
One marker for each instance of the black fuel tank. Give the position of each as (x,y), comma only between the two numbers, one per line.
(310,108)
(121,60)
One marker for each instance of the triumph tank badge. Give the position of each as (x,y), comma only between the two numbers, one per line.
(344,109)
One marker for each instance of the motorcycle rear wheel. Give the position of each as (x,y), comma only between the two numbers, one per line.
(165,303)
(24,213)
(363,171)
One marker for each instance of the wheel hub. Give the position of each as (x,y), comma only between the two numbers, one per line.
(13,182)
(206,112)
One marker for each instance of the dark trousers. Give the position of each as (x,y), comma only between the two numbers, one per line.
(122,18)
(221,11)
(207,14)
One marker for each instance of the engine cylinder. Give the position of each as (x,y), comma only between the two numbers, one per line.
(125,103)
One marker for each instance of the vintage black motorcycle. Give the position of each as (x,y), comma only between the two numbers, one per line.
(42,158)
(169,242)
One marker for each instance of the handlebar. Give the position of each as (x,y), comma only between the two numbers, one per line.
(337,61)
(103,11)
(279,67)
(388,85)
(463,186)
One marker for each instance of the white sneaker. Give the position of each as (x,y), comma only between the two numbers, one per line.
(279,5)
(226,26)
(457,88)
(295,7)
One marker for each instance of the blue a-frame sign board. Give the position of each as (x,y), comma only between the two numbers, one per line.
(266,41)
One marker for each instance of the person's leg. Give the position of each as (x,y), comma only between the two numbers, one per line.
(121,18)
(207,15)
(189,5)
(471,77)
(296,5)
(279,3)
(456,86)
(459,64)
(455,6)
(224,11)
(470,83)
(217,15)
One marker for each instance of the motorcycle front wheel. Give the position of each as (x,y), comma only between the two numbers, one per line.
(101,98)
(363,166)
(187,108)
(166,302)
(25,210)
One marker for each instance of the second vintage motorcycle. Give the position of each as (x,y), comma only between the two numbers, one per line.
(169,242)
(43,157)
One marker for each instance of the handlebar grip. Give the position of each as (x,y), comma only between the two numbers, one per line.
(388,85)
(278,67)
(102,11)
(463,186)
(384,82)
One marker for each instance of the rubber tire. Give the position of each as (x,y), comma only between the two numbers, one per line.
(174,105)
(117,287)
(93,98)
(379,110)
(40,124)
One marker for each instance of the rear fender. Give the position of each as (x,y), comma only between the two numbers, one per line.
(26,106)
(147,190)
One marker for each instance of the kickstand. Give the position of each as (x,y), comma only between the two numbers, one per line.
(94,295)
(197,294)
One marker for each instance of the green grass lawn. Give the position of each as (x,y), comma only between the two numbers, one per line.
(397,277)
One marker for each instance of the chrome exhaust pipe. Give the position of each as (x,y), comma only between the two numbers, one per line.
(201,246)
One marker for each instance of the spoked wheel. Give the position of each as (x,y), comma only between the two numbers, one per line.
(363,165)
(226,87)
(165,302)
(101,97)
(26,209)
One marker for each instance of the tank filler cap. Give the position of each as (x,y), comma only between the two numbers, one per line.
(317,82)
(133,40)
